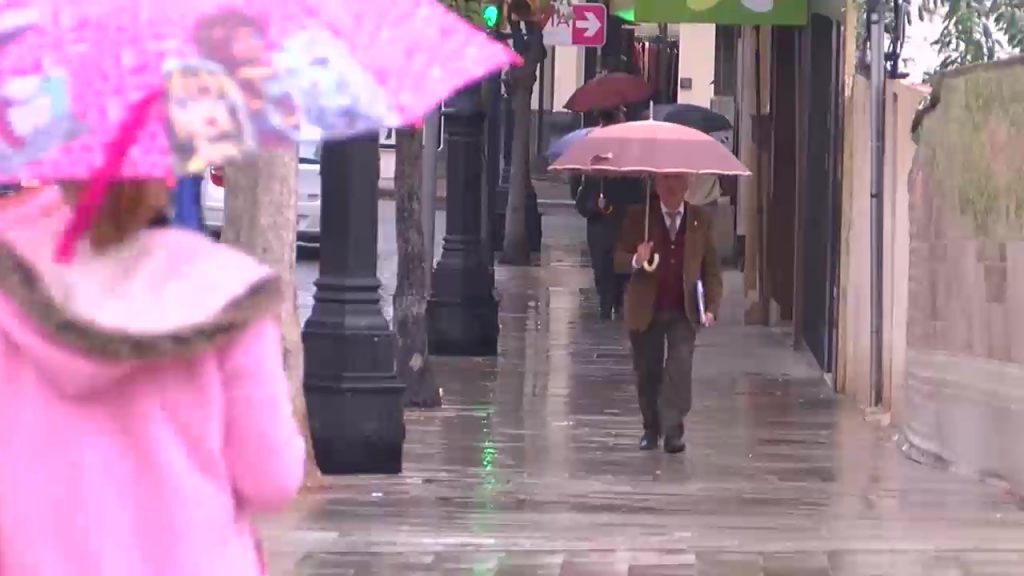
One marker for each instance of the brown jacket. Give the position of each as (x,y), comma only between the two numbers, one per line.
(700,262)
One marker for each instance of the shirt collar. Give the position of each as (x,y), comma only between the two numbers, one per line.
(680,211)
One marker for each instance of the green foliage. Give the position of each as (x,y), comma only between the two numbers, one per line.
(472,10)
(970,27)
(972,140)
(888,15)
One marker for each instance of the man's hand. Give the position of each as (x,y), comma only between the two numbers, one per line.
(709,319)
(643,253)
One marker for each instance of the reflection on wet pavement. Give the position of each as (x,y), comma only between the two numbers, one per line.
(532,467)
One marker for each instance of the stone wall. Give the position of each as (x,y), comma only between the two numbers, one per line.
(964,397)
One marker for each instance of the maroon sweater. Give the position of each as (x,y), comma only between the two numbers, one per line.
(671,297)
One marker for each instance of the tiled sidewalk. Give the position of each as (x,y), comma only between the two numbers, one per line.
(532,467)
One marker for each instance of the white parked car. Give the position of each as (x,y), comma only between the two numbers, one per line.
(309,196)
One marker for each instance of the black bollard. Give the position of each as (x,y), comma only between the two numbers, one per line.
(462,313)
(352,393)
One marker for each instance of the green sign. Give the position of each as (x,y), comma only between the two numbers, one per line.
(734,12)
(629,15)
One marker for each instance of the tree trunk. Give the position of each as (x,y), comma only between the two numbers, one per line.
(410,302)
(260,218)
(516,250)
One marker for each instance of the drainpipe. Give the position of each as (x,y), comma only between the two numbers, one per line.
(763,293)
(428,186)
(874,16)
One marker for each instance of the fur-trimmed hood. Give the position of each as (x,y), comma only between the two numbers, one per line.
(165,294)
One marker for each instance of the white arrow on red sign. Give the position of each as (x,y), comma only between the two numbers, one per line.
(589,25)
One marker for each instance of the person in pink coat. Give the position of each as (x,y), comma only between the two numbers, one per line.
(144,409)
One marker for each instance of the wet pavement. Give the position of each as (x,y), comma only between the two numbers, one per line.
(532,466)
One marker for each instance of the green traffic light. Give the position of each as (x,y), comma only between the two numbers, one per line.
(491,15)
(629,15)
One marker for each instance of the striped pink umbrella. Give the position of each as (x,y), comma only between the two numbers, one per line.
(649,147)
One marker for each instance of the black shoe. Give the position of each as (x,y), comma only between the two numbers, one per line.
(649,441)
(674,444)
(606,313)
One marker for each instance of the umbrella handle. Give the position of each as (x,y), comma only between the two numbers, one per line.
(652,264)
(647,211)
(606,209)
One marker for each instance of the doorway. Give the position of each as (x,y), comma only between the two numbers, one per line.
(821,206)
(658,62)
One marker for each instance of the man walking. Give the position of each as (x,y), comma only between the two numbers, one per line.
(603,201)
(663,306)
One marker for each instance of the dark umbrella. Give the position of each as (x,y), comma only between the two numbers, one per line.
(558,147)
(704,119)
(609,91)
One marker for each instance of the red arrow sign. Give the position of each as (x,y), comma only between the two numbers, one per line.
(589,25)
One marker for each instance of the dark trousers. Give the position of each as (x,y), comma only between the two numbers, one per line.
(664,382)
(611,287)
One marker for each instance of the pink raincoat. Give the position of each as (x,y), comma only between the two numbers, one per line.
(144,411)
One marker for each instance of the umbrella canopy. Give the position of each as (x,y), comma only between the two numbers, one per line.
(149,88)
(146,89)
(559,146)
(649,147)
(704,119)
(14,22)
(609,91)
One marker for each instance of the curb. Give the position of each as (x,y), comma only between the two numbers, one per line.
(442,201)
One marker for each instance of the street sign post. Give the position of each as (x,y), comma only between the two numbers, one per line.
(577,24)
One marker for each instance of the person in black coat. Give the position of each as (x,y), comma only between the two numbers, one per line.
(603,201)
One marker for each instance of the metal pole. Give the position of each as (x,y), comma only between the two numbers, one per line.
(541,103)
(492,171)
(428,188)
(497,239)
(874,16)
(591,67)
(760,140)
(663,65)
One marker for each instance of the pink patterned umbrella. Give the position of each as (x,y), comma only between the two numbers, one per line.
(152,88)
(100,90)
(648,147)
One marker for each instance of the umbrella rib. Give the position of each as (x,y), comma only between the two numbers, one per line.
(646,170)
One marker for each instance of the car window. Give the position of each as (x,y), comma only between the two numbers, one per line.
(309,153)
